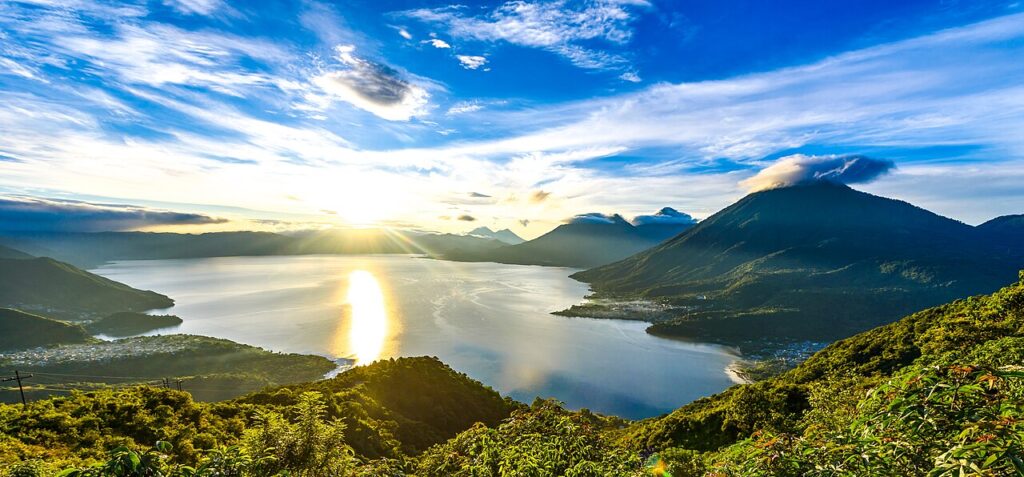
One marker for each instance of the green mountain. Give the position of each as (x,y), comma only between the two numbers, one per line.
(59,289)
(586,241)
(20,330)
(1006,231)
(818,262)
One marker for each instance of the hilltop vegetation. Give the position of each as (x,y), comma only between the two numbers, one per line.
(211,368)
(20,330)
(386,409)
(938,393)
(812,262)
(64,291)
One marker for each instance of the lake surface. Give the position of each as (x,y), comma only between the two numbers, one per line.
(490,321)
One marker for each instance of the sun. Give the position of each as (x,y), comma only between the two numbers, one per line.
(361,201)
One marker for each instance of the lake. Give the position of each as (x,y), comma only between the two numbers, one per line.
(490,321)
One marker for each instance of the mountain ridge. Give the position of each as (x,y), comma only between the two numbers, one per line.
(586,240)
(766,264)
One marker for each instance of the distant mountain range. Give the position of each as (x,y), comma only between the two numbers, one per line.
(819,261)
(587,240)
(504,235)
(89,250)
(58,289)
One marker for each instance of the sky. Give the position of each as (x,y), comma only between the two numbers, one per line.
(204,115)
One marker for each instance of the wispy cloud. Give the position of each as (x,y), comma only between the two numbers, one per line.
(203,7)
(464,107)
(561,27)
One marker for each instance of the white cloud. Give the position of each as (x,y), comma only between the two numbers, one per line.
(567,29)
(404,33)
(161,54)
(373,87)
(202,7)
(464,107)
(437,43)
(630,76)
(471,62)
(803,169)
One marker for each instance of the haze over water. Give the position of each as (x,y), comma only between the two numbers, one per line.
(490,321)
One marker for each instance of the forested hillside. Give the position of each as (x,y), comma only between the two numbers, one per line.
(61,290)
(939,393)
(20,330)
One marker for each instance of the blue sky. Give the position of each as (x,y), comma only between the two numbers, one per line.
(517,114)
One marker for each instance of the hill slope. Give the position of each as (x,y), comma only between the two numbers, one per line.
(7,252)
(819,261)
(980,331)
(20,330)
(390,409)
(62,290)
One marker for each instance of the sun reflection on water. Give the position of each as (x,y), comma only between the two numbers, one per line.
(369,317)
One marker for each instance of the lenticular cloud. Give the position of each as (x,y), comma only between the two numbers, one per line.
(801,169)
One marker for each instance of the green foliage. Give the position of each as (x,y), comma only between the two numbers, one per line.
(935,421)
(382,428)
(305,447)
(83,426)
(544,440)
(399,406)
